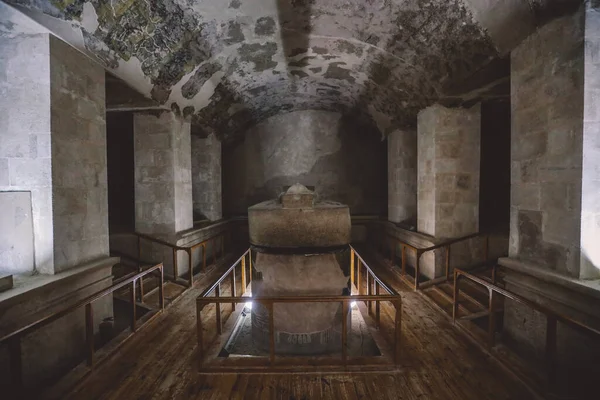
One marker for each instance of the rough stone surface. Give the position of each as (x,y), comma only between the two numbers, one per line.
(448,178)
(78,140)
(339,157)
(25,154)
(16,233)
(325,224)
(448,171)
(402,177)
(53,145)
(590,174)
(206,178)
(236,64)
(547,146)
(163,181)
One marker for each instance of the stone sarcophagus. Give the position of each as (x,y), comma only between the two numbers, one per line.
(302,249)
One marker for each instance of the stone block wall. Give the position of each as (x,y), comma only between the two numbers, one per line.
(163,192)
(547,90)
(206,177)
(25,152)
(79,183)
(402,177)
(344,159)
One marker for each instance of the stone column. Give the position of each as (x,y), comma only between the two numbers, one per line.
(163,182)
(53,152)
(555,206)
(206,177)
(448,143)
(402,177)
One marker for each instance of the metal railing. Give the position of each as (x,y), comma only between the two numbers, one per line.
(357,266)
(419,251)
(552,317)
(219,237)
(13,338)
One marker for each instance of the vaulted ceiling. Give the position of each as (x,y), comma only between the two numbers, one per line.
(229,64)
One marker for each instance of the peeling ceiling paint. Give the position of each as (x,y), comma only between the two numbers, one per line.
(230,64)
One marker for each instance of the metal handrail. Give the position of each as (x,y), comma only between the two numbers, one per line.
(419,251)
(355,271)
(188,249)
(13,338)
(552,317)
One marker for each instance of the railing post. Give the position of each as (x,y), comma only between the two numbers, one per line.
(494,267)
(551,350)
(358,264)
(455,297)
(397,331)
(403,260)
(250,265)
(447,262)
(175,268)
(271,333)
(377,306)
(233,289)
(417,265)
(344,331)
(89,334)
(491,320)
(190,265)
(243,272)
(200,333)
(134,308)
(368,302)
(218,309)
(16,364)
(203,256)
(161,289)
(351,269)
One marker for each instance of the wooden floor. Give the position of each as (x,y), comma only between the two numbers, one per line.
(438,363)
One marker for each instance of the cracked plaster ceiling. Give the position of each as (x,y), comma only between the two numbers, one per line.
(229,64)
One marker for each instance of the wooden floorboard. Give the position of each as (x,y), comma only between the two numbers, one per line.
(438,363)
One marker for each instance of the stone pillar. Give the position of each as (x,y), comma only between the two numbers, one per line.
(206,177)
(402,177)
(555,206)
(163,180)
(53,150)
(448,143)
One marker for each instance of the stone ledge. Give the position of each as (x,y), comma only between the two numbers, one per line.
(590,288)
(26,287)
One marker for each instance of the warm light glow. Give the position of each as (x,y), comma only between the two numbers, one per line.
(353,304)
(248,305)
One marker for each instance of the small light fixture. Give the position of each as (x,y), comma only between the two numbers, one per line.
(353,304)
(248,305)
